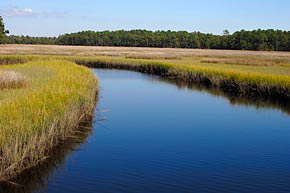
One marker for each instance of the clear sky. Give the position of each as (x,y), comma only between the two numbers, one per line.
(54,17)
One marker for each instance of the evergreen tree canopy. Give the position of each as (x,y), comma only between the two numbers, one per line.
(1,26)
(272,40)
(3,32)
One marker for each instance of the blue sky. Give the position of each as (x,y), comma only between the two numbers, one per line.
(54,17)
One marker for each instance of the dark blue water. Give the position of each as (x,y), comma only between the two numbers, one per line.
(152,137)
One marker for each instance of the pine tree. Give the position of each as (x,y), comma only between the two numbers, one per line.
(3,32)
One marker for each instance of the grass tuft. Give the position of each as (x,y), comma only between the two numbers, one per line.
(12,80)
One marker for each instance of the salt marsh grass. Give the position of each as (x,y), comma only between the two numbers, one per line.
(36,118)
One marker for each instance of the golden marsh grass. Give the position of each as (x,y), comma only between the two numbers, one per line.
(36,118)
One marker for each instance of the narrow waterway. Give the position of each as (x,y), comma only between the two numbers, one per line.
(150,136)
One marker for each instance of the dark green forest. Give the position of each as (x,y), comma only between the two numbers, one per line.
(241,40)
(31,40)
(272,40)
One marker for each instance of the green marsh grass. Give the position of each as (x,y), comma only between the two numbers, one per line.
(36,118)
(252,79)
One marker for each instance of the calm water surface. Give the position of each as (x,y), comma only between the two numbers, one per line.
(152,137)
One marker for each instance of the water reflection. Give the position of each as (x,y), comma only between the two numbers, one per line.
(163,149)
(259,102)
(35,179)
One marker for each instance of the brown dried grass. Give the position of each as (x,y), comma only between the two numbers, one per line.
(131,51)
(12,80)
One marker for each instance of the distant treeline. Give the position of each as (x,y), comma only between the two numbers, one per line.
(31,40)
(274,40)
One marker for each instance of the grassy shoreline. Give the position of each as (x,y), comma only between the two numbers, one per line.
(236,79)
(270,81)
(59,95)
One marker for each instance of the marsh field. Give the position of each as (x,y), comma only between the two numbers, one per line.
(186,120)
